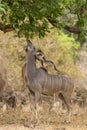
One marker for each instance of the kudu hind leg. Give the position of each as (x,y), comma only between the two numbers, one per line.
(68,105)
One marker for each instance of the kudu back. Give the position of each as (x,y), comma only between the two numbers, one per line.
(41,82)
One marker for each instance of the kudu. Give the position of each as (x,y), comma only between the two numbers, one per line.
(41,82)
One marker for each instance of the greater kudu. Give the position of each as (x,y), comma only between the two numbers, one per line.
(41,82)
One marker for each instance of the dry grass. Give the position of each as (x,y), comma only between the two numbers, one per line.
(14,119)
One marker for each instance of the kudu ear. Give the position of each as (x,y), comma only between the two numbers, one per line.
(40,55)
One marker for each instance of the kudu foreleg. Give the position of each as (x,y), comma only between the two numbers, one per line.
(38,106)
(32,104)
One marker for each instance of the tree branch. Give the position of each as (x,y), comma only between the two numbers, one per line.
(75,30)
(6,28)
(9,27)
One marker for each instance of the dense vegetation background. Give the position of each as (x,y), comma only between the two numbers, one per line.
(59,29)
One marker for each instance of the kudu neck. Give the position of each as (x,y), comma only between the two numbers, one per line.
(31,64)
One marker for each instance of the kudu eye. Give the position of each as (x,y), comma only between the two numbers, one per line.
(34,48)
(26,49)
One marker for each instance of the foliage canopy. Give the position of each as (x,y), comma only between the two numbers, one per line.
(32,17)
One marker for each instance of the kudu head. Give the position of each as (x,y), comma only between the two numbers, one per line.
(30,48)
(39,55)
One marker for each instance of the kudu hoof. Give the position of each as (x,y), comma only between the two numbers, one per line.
(29,125)
(66,122)
(60,129)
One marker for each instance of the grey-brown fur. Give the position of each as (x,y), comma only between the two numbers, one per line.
(41,82)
